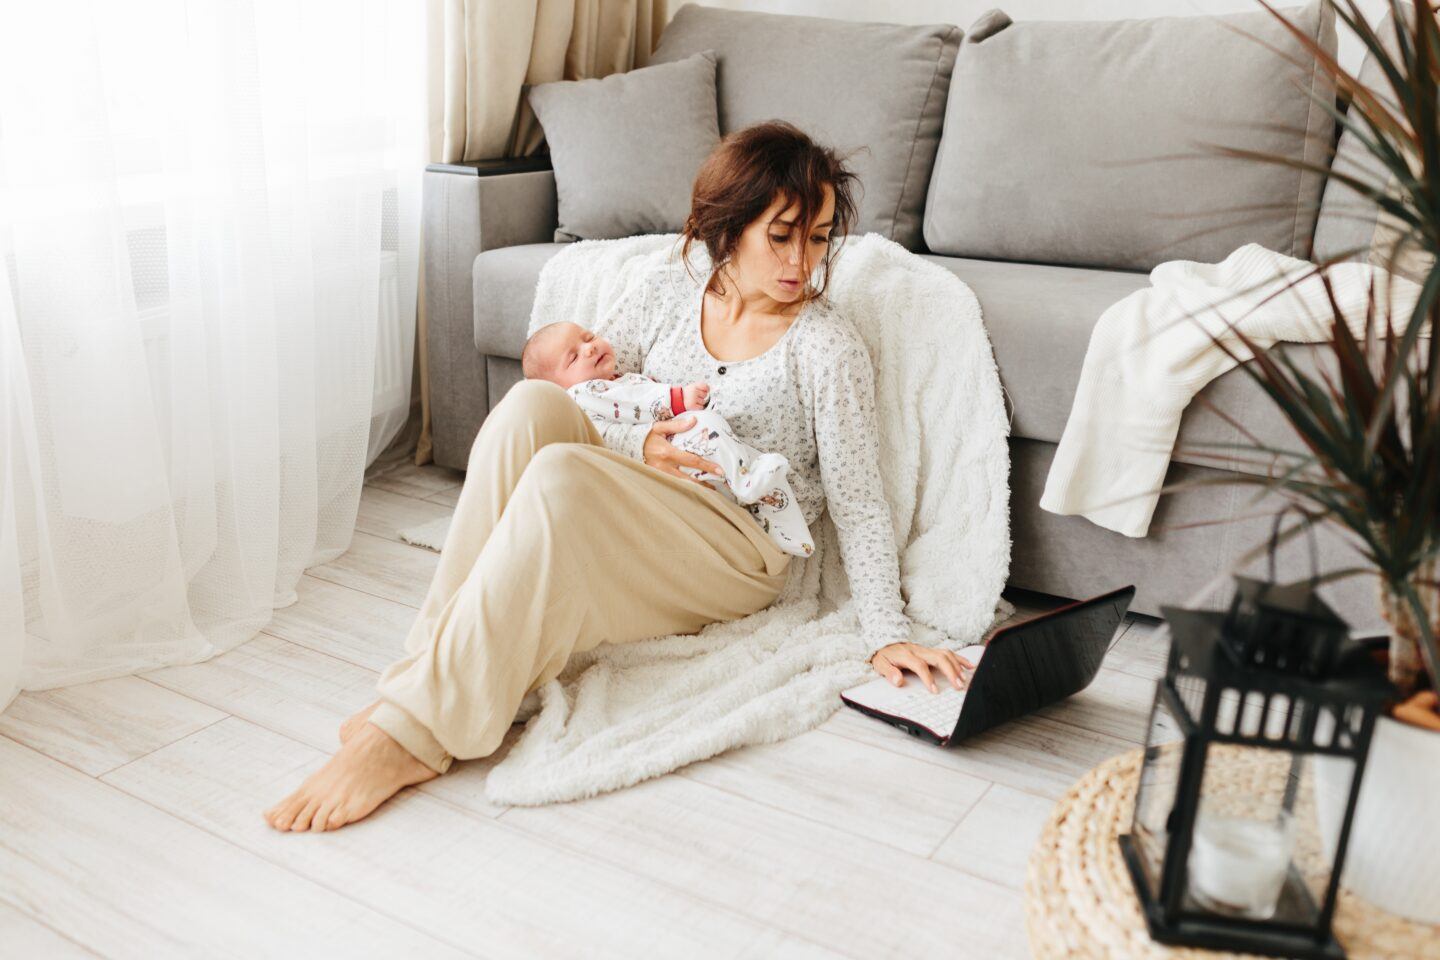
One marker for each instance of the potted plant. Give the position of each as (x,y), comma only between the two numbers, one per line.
(1370,463)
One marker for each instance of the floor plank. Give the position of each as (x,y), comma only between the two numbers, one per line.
(384,513)
(870,792)
(995,839)
(447,497)
(126,880)
(466,879)
(382,568)
(304,695)
(95,727)
(278,685)
(1116,704)
(1141,652)
(344,622)
(859,896)
(413,481)
(22,936)
(1035,754)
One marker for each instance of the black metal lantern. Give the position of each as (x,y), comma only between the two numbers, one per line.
(1286,627)
(1241,821)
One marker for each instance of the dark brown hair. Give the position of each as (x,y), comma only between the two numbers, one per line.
(746,172)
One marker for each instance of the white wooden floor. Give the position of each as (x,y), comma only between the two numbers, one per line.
(130,813)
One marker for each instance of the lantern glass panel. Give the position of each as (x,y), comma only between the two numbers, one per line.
(1155,797)
(1256,849)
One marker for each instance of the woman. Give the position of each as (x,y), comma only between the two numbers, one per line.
(563,538)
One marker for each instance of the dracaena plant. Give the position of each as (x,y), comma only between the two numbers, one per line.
(1369,422)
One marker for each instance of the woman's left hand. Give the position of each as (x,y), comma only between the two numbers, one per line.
(890,660)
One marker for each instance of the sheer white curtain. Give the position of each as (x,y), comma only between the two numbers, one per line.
(208,222)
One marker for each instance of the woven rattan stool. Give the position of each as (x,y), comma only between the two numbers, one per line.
(1079,902)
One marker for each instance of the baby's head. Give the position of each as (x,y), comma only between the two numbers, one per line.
(567,354)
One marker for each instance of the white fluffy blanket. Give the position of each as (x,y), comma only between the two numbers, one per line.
(622,713)
(1154,350)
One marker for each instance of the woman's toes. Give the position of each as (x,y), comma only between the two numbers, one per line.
(283,813)
(307,814)
(321,822)
(338,818)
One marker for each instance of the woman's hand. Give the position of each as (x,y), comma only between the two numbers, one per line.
(888,661)
(664,456)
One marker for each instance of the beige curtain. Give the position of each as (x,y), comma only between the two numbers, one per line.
(483,53)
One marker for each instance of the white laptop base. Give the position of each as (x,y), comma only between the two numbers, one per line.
(937,712)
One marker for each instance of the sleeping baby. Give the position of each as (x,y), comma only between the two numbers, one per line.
(569,355)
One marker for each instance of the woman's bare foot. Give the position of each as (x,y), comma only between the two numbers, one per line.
(353,722)
(368,770)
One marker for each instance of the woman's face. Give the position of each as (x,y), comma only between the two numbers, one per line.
(775,254)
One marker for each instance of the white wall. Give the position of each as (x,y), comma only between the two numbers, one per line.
(963,12)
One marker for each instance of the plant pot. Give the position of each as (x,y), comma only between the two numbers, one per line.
(1407,665)
(1393,858)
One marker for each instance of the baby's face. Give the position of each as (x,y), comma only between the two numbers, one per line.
(570,354)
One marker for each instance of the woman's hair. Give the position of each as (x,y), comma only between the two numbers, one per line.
(744,175)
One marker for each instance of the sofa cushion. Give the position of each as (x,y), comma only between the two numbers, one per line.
(1086,142)
(626,147)
(850,85)
(1039,319)
(505,281)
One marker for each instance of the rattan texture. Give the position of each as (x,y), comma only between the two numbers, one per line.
(1079,902)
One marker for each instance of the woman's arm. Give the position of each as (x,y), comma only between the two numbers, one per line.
(848,443)
(848,440)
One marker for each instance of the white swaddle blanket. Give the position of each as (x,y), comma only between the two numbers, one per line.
(622,713)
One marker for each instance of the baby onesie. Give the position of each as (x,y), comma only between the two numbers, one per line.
(755,480)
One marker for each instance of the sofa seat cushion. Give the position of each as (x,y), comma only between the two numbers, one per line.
(1039,319)
(875,88)
(505,281)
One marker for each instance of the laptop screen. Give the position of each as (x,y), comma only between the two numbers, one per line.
(1042,660)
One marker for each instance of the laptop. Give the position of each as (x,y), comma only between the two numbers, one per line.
(1024,667)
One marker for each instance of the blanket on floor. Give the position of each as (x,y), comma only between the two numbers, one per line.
(1153,351)
(622,713)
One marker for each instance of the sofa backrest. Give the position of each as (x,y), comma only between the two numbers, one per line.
(875,86)
(1088,143)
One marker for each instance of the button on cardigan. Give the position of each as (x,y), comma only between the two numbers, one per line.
(810,397)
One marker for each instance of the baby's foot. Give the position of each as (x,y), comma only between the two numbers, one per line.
(760,477)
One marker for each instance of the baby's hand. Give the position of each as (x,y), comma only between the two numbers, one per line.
(696,394)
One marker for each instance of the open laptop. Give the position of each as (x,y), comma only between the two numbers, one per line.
(1024,667)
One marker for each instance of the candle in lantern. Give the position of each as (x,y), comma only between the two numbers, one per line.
(1238,865)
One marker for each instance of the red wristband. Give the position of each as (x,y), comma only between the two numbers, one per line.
(677,400)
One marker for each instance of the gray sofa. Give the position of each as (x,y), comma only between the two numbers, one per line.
(1057,181)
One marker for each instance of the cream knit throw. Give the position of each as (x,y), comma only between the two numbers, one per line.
(621,713)
(1152,352)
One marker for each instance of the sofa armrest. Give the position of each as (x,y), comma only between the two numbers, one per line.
(469,208)
(493,168)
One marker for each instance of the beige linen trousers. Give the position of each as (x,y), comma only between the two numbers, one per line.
(558,544)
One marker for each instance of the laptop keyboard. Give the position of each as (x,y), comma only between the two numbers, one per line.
(912,702)
(938,711)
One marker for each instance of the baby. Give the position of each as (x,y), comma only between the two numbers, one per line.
(569,355)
